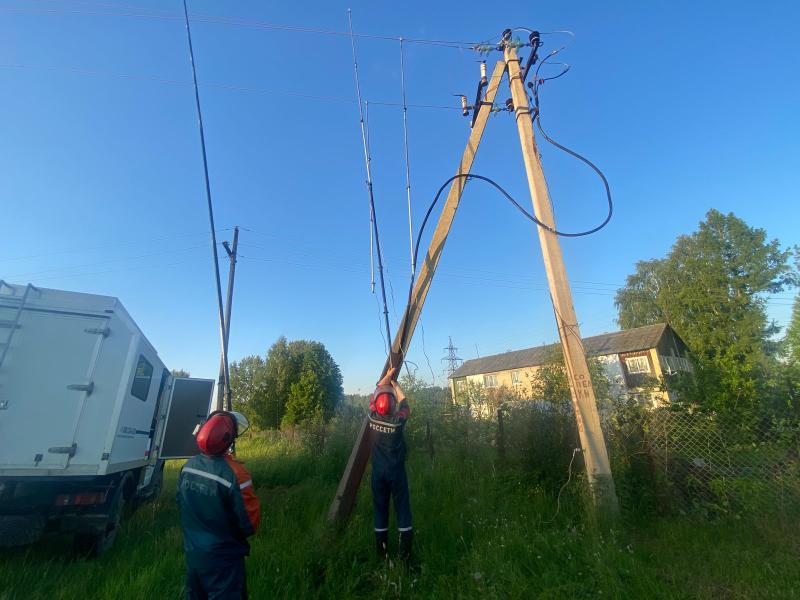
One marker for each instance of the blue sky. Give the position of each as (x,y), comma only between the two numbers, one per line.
(685,106)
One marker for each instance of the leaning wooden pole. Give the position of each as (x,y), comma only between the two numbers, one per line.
(593,445)
(345,498)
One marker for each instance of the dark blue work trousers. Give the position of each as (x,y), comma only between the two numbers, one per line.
(390,481)
(217,578)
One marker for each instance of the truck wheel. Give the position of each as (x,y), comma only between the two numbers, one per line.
(92,545)
(152,491)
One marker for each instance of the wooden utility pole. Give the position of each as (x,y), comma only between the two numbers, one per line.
(345,497)
(224,391)
(595,455)
(584,403)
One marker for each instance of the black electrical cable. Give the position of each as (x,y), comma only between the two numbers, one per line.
(526,214)
(537,117)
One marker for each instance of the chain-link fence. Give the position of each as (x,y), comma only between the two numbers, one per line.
(661,457)
(725,463)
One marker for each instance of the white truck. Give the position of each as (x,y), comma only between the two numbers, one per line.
(88,414)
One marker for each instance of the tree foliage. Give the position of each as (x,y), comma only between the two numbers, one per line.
(711,288)
(792,339)
(297,382)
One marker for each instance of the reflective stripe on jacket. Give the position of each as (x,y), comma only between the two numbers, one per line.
(219,508)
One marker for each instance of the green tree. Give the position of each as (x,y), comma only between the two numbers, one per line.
(711,289)
(264,387)
(180,373)
(305,402)
(792,339)
(247,389)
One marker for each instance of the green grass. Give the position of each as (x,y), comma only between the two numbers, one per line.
(483,531)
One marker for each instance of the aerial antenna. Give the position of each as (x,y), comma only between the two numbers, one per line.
(222,332)
(367,162)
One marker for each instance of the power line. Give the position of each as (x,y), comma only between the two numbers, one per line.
(102,246)
(221,86)
(146,13)
(158,267)
(345,266)
(104,262)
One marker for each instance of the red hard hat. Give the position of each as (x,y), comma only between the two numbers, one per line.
(384,404)
(217,434)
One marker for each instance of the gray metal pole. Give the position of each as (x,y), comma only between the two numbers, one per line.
(224,373)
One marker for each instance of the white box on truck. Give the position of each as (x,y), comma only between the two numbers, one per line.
(79,386)
(85,406)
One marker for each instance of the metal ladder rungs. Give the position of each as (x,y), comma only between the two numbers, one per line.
(13,324)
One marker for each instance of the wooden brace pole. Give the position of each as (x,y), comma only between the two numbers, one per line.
(595,455)
(343,502)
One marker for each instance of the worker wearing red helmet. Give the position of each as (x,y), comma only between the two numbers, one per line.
(219,511)
(389,411)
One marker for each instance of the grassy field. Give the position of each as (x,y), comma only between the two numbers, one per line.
(484,530)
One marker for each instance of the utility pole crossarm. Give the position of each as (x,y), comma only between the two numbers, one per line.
(595,455)
(343,502)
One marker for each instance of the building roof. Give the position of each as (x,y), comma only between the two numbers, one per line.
(630,340)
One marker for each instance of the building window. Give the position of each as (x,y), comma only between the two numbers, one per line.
(490,381)
(515,378)
(461,385)
(141,379)
(637,364)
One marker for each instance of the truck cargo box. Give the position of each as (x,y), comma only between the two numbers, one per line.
(82,391)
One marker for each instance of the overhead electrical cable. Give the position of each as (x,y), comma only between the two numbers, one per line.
(537,117)
(220,86)
(146,13)
(103,262)
(519,207)
(80,249)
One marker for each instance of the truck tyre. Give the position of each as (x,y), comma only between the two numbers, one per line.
(153,489)
(92,545)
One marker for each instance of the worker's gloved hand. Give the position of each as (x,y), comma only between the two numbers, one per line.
(389,379)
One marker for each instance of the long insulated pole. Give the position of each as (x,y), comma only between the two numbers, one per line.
(210,205)
(367,161)
(408,163)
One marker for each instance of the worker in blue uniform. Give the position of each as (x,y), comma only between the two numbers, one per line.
(219,511)
(388,413)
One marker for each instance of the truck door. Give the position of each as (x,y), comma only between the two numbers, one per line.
(188,407)
(45,380)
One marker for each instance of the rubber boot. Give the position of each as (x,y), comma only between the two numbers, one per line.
(382,544)
(406,547)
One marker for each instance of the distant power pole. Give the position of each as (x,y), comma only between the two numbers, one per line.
(452,359)
(224,401)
